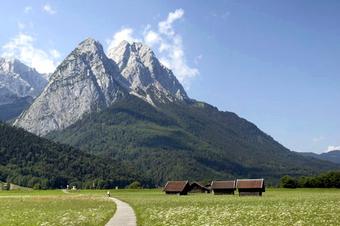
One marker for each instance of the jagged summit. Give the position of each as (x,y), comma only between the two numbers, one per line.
(122,53)
(17,80)
(88,81)
(147,77)
(90,45)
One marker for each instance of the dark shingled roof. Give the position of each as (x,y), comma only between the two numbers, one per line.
(175,186)
(198,185)
(250,183)
(223,184)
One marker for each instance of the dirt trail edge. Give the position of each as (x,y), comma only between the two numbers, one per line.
(124,215)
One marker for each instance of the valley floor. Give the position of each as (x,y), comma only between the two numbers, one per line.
(153,207)
(53,208)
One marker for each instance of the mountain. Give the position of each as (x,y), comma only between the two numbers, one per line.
(146,76)
(332,156)
(31,161)
(86,81)
(184,141)
(15,108)
(19,85)
(131,108)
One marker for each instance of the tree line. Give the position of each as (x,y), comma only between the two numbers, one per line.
(324,180)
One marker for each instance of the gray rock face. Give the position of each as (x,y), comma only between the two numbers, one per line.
(86,81)
(18,80)
(146,76)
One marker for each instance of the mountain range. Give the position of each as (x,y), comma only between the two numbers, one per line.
(332,156)
(128,108)
(19,85)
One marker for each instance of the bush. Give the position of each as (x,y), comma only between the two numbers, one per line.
(134,185)
(288,182)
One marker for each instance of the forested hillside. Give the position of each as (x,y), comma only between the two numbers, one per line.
(31,161)
(190,140)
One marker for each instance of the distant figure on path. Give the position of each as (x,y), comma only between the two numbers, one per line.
(108,194)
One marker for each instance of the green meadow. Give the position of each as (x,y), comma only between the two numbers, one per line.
(275,207)
(153,207)
(53,208)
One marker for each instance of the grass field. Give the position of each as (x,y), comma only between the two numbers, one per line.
(53,208)
(276,207)
(153,207)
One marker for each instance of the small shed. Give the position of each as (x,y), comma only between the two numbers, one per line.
(196,187)
(223,187)
(250,187)
(177,187)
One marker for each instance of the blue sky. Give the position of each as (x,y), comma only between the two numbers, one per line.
(275,63)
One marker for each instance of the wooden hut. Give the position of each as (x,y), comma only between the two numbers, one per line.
(196,187)
(250,186)
(223,187)
(177,187)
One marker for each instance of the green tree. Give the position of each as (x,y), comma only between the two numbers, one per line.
(288,182)
(134,185)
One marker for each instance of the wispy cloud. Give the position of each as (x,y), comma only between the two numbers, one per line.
(167,42)
(165,27)
(222,16)
(49,9)
(21,25)
(25,25)
(318,139)
(198,59)
(124,34)
(332,148)
(23,48)
(28,9)
(55,53)
(170,46)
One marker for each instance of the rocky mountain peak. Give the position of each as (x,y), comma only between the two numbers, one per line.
(18,80)
(136,50)
(86,81)
(147,77)
(12,65)
(90,46)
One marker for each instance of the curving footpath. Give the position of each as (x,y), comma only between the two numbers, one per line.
(124,216)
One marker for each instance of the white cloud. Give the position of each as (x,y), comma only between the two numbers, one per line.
(167,43)
(55,53)
(165,26)
(28,9)
(170,47)
(332,148)
(151,38)
(22,47)
(48,9)
(124,34)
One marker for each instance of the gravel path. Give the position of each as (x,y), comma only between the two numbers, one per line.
(124,216)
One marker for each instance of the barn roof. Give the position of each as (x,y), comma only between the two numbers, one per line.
(175,186)
(250,183)
(223,184)
(198,185)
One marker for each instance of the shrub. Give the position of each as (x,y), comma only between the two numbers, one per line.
(288,182)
